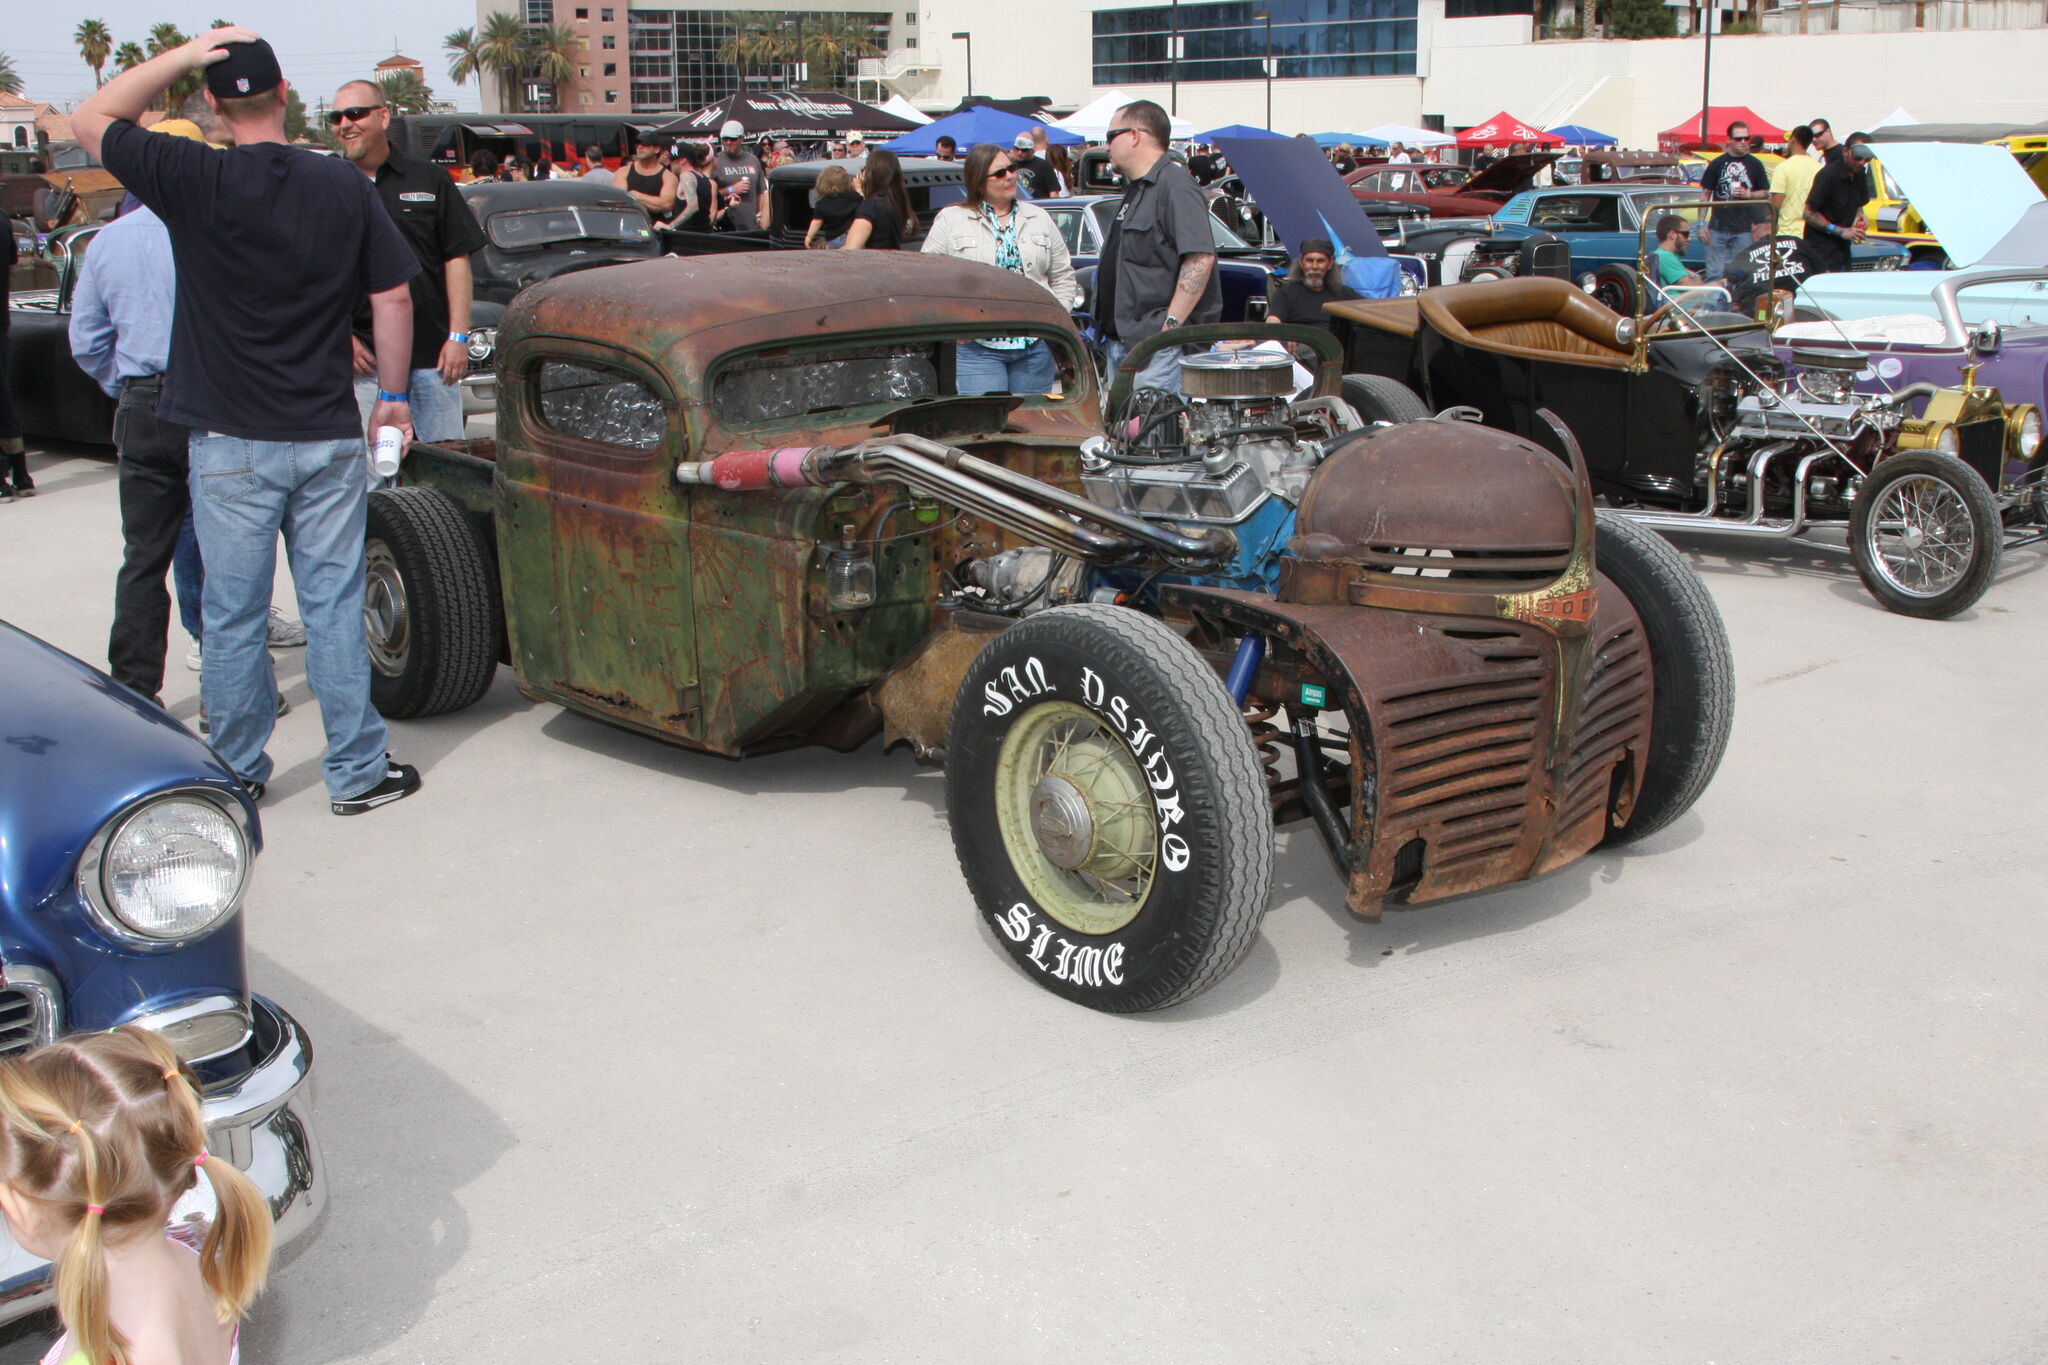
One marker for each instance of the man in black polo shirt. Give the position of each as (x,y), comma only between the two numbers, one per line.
(273,247)
(1840,190)
(436,223)
(1158,269)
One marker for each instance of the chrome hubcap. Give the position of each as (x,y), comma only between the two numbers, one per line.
(386,625)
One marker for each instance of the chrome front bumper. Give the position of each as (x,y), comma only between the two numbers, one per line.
(263,1124)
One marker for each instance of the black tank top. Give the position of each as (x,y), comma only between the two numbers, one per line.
(700,221)
(643,184)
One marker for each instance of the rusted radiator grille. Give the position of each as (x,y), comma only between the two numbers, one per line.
(1614,706)
(1461,757)
(1535,564)
(21,1022)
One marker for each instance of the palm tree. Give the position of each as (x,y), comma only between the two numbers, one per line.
(551,53)
(10,79)
(502,47)
(832,43)
(406,92)
(95,42)
(164,37)
(756,41)
(466,54)
(128,56)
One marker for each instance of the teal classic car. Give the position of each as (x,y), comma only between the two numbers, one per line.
(1600,224)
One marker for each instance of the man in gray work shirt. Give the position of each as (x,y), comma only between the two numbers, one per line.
(1158,269)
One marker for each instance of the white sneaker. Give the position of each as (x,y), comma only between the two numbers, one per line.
(192,656)
(284,634)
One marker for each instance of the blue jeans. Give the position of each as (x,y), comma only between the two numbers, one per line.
(1162,371)
(436,407)
(189,574)
(1720,246)
(984,369)
(243,494)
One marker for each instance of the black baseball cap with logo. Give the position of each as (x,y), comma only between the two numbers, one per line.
(249,69)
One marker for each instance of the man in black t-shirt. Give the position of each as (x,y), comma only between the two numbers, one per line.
(1840,190)
(273,247)
(1034,172)
(435,220)
(1310,283)
(1740,188)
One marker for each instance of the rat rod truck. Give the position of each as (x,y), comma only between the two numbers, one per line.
(736,503)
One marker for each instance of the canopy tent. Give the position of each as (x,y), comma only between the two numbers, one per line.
(1091,121)
(1577,135)
(971,126)
(1897,118)
(1031,106)
(1719,116)
(1236,130)
(1504,128)
(903,109)
(1957,132)
(1329,140)
(790,112)
(1408,137)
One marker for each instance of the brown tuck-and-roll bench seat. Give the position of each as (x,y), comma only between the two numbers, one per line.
(1537,318)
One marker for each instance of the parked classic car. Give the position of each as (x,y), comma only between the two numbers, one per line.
(741,507)
(1450,191)
(1602,223)
(56,399)
(126,849)
(533,231)
(1689,422)
(1988,215)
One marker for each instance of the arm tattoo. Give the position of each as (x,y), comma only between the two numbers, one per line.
(1194,272)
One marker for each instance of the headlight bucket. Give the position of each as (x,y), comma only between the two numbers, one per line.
(169,869)
(2022,430)
(483,342)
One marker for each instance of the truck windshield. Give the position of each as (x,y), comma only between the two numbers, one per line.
(569,223)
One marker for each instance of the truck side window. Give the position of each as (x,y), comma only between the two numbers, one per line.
(600,405)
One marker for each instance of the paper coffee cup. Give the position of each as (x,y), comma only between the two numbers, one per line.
(390,444)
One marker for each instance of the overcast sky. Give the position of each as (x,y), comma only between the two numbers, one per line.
(320,45)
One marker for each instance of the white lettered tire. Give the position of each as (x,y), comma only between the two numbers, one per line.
(1108,808)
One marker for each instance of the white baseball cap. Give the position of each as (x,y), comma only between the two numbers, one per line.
(852,138)
(1022,142)
(732,128)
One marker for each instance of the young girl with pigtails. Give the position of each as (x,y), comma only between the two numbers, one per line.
(99,1136)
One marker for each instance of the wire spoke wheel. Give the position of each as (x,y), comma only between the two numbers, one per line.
(1925,534)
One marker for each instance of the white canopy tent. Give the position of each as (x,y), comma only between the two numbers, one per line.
(1092,120)
(1410,137)
(1897,118)
(903,108)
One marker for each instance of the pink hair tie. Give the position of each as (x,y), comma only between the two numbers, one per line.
(94,1208)
(199,1160)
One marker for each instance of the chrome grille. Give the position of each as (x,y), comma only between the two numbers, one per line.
(24,1020)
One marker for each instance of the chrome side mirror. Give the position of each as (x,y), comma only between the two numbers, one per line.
(1986,337)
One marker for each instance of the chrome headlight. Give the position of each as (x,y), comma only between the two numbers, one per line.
(166,871)
(2023,430)
(1891,262)
(483,342)
(1949,441)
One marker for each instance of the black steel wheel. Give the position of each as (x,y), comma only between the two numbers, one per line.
(1377,398)
(1108,808)
(1620,288)
(1692,672)
(1925,535)
(431,615)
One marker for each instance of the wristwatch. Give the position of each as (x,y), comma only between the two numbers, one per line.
(1171,321)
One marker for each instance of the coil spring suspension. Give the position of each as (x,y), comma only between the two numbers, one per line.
(1266,738)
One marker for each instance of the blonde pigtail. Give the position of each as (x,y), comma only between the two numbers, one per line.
(81,1272)
(236,1257)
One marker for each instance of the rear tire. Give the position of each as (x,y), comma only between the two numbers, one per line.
(430,605)
(1377,398)
(1108,808)
(1692,673)
(1620,288)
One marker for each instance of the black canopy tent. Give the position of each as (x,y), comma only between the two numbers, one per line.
(788,113)
(451,139)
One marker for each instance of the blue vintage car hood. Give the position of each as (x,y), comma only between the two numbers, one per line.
(76,747)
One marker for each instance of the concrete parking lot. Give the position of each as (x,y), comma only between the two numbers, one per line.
(630,1053)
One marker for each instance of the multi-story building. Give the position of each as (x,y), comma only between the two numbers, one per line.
(678,57)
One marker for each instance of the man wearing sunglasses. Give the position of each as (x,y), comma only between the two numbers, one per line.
(436,222)
(273,247)
(1158,269)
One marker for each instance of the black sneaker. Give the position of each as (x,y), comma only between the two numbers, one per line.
(400,781)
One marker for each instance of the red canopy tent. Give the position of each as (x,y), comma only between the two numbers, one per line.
(1719,116)
(1504,128)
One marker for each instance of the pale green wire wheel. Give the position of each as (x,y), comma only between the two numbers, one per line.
(1077,818)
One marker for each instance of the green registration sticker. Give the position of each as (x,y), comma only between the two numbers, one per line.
(1313,695)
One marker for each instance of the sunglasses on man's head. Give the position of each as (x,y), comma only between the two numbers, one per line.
(355,113)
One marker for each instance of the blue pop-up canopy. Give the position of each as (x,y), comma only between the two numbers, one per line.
(1329,140)
(1236,130)
(972,126)
(1576,136)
